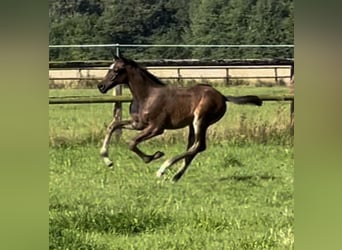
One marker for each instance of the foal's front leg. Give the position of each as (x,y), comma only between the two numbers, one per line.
(146,134)
(114,125)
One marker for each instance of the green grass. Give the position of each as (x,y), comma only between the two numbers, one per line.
(238,194)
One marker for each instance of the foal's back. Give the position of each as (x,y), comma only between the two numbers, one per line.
(177,107)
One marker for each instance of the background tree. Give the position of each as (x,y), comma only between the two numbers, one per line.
(171,22)
(270,23)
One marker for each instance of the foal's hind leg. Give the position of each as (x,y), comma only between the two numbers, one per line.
(114,125)
(146,134)
(197,146)
(188,159)
(191,140)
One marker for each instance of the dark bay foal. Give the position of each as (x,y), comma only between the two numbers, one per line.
(156,107)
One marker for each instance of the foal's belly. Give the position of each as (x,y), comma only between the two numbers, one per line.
(176,123)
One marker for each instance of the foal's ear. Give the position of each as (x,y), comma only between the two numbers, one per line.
(121,56)
(114,55)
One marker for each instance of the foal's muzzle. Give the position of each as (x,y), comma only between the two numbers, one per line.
(102,88)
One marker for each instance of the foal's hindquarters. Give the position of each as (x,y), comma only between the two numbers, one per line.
(210,108)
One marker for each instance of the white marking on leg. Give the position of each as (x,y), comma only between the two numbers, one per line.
(169,163)
(104,151)
(111,66)
(192,150)
(107,161)
(104,148)
(163,168)
(196,124)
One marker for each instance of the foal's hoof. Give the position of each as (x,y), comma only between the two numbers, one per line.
(176,178)
(160,173)
(108,162)
(158,155)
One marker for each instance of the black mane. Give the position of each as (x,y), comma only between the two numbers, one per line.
(145,72)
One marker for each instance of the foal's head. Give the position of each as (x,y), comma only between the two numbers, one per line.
(116,75)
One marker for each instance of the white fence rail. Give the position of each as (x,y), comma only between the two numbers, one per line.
(117,46)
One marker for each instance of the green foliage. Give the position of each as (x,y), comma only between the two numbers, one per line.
(171,22)
(271,22)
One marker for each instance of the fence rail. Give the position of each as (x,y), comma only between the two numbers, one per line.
(89,99)
(113,99)
(118,46)
(177,70)
(173,45)
(118,100)
(175,62)
(180,77)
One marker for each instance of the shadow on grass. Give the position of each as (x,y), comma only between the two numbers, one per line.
(231,161)
(248,178)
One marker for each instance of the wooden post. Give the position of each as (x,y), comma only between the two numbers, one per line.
(227,76)
(292,116)
(276,74)
(117,109)
(178,76)
(292,102)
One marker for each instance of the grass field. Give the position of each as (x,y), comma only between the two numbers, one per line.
(238,194)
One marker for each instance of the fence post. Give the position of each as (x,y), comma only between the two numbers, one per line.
(227,76)
(276,75)
(292,102)
(178,76)
(117,109)
(292,116)
(292,92)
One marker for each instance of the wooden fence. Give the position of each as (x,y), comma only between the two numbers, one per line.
(166,62)
(121,99)
(277,70)
(118,100)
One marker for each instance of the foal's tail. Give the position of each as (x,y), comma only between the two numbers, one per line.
(246,99)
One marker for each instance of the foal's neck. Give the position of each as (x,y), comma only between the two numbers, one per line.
(140,83)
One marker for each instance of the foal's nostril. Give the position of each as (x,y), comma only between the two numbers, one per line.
(102,88)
